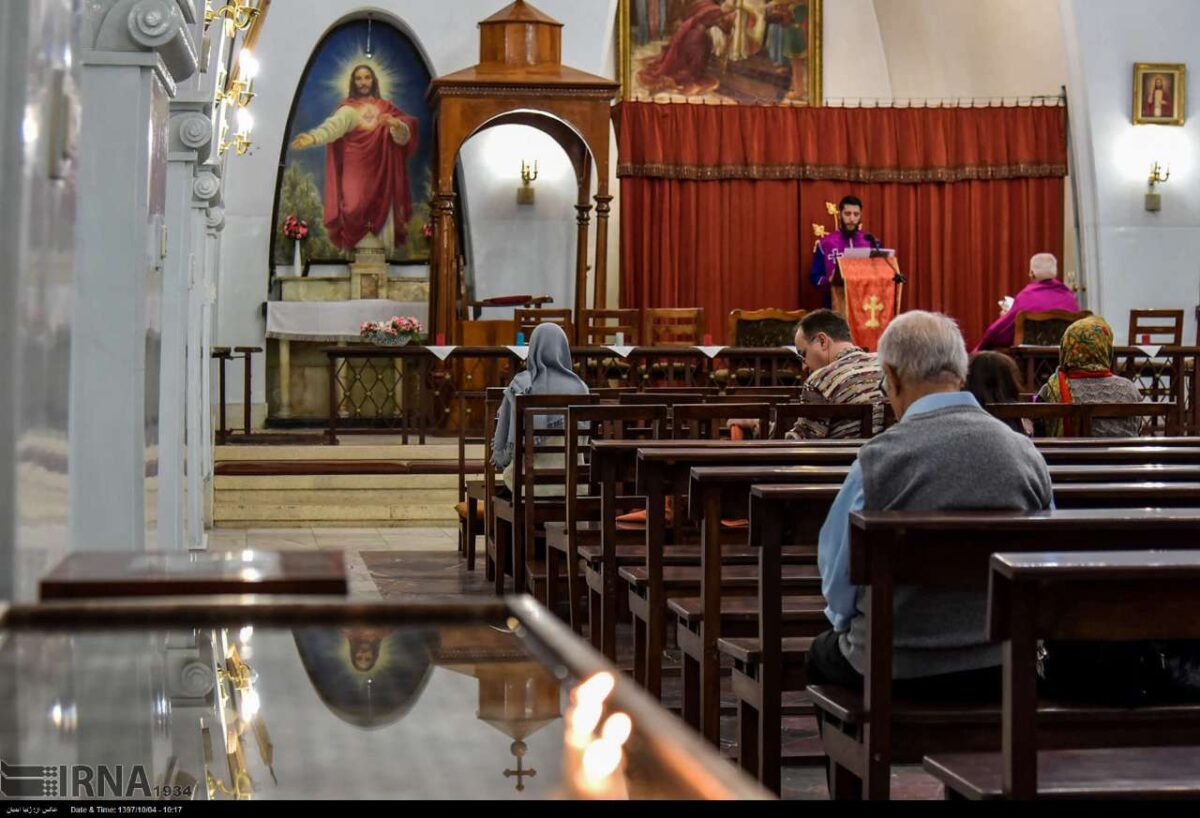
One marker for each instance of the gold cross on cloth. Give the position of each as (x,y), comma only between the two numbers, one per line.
(873,306)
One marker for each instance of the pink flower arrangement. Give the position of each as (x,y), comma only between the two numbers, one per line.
(394,328)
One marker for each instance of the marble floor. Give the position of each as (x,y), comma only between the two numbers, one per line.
(423,564)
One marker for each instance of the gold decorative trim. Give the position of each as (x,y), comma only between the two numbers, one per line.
(705,173)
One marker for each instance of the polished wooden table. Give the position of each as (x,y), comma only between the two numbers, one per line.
(248,697)
(95,574)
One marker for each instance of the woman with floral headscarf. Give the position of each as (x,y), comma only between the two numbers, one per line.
(1084,375)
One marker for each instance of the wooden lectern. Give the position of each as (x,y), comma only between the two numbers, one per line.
(867,291)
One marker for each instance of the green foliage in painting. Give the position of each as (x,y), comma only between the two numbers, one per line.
(299,195)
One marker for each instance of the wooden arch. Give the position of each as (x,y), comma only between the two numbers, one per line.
(520,79)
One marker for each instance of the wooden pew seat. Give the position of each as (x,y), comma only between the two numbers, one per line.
(1127,772)
(744,609)
(733,578)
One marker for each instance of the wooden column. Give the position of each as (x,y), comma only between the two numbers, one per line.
(446,243)
(600,286)
(583,217)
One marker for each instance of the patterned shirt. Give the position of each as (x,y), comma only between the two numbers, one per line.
(851,377)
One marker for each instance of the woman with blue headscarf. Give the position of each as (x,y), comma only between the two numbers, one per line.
(547,372)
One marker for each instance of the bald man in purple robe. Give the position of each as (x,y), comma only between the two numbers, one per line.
(1043,293)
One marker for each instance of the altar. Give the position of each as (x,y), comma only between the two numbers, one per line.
(317,311)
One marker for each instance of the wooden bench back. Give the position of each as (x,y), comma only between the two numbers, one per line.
(1088,596)
(786,416)
(704,421)
(1080,416)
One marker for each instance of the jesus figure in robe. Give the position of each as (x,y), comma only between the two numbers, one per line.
(368,144)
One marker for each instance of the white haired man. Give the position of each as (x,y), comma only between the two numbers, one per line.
(945,452)
(1044,292)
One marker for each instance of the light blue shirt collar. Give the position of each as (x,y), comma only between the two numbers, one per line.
(940,400)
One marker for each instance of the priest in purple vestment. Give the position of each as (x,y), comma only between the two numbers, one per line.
(1045,292)
(831,248)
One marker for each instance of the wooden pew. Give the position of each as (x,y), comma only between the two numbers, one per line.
(1095,597)
(719,492)
(769,665)
(1082,415)
(661,472)
(865,732)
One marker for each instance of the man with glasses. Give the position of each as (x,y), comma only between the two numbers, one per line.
(840,372)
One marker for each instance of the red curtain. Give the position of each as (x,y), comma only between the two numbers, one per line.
(718,203)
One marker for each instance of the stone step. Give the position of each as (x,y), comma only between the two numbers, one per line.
(342,497)
(333,482)
(398,525)
(346,451)
(366,514)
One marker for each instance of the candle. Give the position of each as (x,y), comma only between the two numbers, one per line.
(707,340)
(620,339)
(441,339)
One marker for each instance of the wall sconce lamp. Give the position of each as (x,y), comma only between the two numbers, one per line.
(241,139)
(239,15)
(1157,176)
(241,90)
(525,191)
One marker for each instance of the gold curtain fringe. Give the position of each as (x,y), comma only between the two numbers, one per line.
(832,173)
(1043,101)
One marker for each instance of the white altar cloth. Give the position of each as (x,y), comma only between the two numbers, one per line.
(333,321)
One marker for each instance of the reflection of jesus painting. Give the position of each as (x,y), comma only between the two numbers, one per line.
(1157,96)
(368,144)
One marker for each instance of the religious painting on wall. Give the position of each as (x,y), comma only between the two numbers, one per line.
(1159,93)
(357,160)
(750,52)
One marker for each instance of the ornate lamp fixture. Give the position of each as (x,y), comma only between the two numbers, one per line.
(238,14)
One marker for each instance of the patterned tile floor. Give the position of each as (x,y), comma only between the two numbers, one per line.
(423,563)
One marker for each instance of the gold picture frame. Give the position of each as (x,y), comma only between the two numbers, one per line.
(741,52)
(1167,107)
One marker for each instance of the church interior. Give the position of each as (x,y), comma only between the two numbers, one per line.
(747,399)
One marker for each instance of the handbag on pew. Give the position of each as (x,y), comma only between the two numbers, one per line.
(1120,674)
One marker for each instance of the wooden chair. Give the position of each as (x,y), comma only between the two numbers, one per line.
(471,493)
(1156,328)
(584,496)
(514,519)
(527,321)
(763,328)
(600,327)
(1092,597)
(673,327)
(1044,328)
(839,418)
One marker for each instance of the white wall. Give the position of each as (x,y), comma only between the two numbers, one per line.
(532,239)
(952,48)
(855,65)
(1134,258)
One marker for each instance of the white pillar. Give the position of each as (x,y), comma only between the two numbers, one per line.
(188,189)
(134,51)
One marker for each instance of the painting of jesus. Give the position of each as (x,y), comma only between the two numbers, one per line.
(357,160)
(1158,93)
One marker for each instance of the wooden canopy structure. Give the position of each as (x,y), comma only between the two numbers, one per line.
(520,79)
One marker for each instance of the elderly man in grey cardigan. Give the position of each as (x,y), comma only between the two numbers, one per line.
(946,452)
